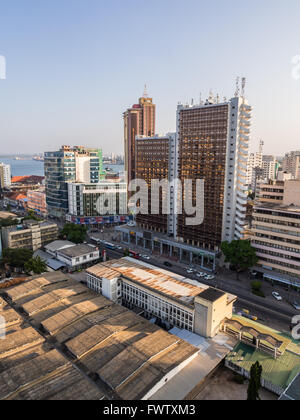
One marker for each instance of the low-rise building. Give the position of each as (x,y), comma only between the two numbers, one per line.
(56,246)
(31,234)
(276,232)
(16,199)
(170,299)
(277,354)
(78,256)
(90,203)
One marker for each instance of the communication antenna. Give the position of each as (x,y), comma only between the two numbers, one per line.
(192,102)
(145,92)
(261,146)
(211,96)
(243,86)
(218,98)
(237,85)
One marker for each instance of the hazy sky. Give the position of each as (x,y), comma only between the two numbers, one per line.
(73,66)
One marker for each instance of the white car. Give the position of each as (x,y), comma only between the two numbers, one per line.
(200,274)
(190,271)
(277,296)
(145,257)
(210,277)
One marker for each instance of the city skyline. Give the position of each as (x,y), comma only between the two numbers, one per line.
(72,70)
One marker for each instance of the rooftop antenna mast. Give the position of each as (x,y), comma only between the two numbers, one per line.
(261,146)
(244,80)
(145,91)
(237,90)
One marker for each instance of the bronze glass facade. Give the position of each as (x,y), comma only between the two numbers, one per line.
(203,136)
(152,162)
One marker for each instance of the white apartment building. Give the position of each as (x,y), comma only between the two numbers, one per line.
(78,255)
(291,164)
(276,231)
(217,135)
(270,167)
(5,176)
(254,161)
(162,295)
(101,199)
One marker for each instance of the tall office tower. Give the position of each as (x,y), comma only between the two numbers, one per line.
(291,164)
(5,176)
(69,164)
(270,167)
(213,143)
(138,121)
(156,160)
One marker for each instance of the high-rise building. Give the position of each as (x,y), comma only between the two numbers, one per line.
(156,160)
(138,121)
(213,143)
(5,176)
(291,164)
(270,167)
(69,164)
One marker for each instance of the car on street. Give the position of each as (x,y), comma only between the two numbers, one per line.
(296,305)
(120,248)
(190,271)
(200,274)
(146,257)
(210,277)
(131,224)
(277,296)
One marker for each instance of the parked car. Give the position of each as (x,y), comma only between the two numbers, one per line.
(210,277)
(146,257)
(190,271)
(277,296)
(167,264)
(296,305)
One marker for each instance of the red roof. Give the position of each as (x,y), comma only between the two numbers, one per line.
(15,196)
(28,179)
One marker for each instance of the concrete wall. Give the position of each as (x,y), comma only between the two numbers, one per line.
(292,192)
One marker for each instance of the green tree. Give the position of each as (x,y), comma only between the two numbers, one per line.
(16,257)
(74,233)
(240,254)
(32,216)
(256,285)
(126,252)
(255,382)
(35,265)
